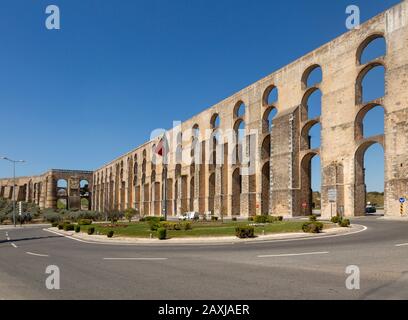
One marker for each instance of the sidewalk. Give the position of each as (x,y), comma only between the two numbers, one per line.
(103,239)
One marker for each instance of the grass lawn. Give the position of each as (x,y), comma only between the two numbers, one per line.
(200,229)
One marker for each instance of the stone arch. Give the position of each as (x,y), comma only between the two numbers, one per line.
(365,45)
(239,110)
(215,121)
(359,120)
(266,148)
(270,96)
(266,185)
(62,194)
(308,76)
(267,118)
(360,190)
(311,109)
(306,192)
(236,192)
(305,143)
(360,98)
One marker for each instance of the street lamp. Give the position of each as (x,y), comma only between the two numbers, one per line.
(14,184)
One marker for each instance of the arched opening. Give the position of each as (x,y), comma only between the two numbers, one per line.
(192,193)
(370,84)
(370,121)
(62,194)
(312,104)
(372,48)
(314,136)
(266,148)
(85,195)
(239,110)
(310,184)
(215,121)
(312,76)
(369,188)
(265,188)
(239,129)
(270,96)
(211,193)
(267,119)
(236,192)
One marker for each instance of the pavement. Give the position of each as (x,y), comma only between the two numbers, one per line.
(312,268)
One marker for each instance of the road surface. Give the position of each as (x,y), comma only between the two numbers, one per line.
(303,269)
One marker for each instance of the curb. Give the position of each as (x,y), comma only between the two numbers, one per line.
(335,232)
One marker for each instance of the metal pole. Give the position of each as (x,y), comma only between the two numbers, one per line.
(14,193)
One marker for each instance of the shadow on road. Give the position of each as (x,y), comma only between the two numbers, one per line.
(30,238)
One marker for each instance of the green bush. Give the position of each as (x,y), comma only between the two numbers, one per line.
(51,216)
(245,232)
(91,230)
(69,227)
(152,218)
(85,222)
(60,226)
(186,225)
(234,219)
(336,219)
(162,233)
(261,219)
(345,223)
(110,233)
(312,227)
(213,218)
(77,228)
(54,224)
(250,219)
(312,218)
(130,213)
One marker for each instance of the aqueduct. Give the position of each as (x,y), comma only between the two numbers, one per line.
(252,152)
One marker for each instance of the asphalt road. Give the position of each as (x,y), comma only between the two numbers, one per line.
(303,269)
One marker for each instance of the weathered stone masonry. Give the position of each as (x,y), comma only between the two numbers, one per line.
(280,183)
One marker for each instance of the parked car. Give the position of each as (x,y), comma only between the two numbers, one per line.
(371,209)
(190,216)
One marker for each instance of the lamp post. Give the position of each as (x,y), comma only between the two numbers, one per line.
(14,184)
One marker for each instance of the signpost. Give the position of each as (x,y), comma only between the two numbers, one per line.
(402,200)
(332,195)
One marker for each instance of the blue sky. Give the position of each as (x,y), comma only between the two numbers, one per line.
(81,96)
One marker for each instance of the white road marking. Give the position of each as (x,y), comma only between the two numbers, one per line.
(146,259)
(292,254)
(37,254)
(8,238)
(14,245)
(401,245)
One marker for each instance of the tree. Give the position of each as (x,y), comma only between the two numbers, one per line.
(129,214)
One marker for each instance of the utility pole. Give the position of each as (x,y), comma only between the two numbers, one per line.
(14,184)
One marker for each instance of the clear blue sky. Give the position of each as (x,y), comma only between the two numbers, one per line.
(79,97)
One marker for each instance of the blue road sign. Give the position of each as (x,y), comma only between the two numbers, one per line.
(402,200)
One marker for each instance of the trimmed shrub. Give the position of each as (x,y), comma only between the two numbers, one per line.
(51,216)
(54,224)
(186,225)
(130,213)
(312,218)
(60,226)
(336,219)
(245,232)
(162,233)
(91,230)
(234,219)
(85,222)
(261,219)
(213,218)
(250,219)
(110,233)
(312,227)
(69,227)
(77,229)
(345,223)
(152,218)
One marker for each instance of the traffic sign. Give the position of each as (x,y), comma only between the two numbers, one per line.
(332,194)
(402,200)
